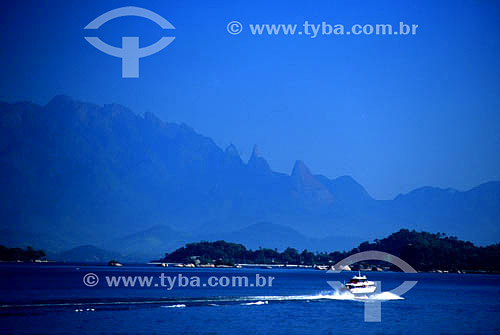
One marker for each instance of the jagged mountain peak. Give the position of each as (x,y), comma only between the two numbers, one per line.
(255,151)
(60,99)
(301,170)
(232,157)
(308,187)
(258,164)
(117,109)
(65,102)
(345,189)
(93,176)
(61,103)
(232,151)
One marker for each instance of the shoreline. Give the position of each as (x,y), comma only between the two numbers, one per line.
(236,266)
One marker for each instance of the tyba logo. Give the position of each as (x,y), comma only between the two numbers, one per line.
(130,51)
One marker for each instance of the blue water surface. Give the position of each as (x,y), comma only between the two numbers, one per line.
(53,299)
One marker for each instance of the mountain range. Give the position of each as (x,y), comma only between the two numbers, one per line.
(76,174)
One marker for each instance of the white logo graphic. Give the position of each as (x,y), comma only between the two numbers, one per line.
(90,279)
(234,27)
(373,308)
(130,51)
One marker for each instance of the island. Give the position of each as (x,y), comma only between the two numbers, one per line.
(21,255)
(426,252)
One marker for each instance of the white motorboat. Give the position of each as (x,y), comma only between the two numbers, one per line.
(360,285)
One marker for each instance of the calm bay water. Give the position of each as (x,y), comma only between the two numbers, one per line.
(52,299)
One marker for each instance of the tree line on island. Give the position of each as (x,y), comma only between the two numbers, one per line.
(20,255)
(422,250)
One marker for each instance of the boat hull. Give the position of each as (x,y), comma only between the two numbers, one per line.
(362,290)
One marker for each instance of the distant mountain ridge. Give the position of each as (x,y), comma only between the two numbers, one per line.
(86,254)
(75,173)
(157,240)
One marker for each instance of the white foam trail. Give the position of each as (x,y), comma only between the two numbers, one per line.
(332,295)
(256,303)
(175,306)
(383,296)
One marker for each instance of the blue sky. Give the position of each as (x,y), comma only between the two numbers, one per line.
(394,112)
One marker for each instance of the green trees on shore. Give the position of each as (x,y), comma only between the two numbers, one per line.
(426,251)
(422,250)
(17,254)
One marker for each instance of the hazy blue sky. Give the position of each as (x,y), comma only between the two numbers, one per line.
(395,112)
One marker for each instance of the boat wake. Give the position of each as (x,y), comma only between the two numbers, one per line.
(381,296)
(212,301)
(256,303)
(175,306)
(334,295)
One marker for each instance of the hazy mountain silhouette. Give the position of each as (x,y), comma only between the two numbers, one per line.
(75,173)
(155,241)
(87,254)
